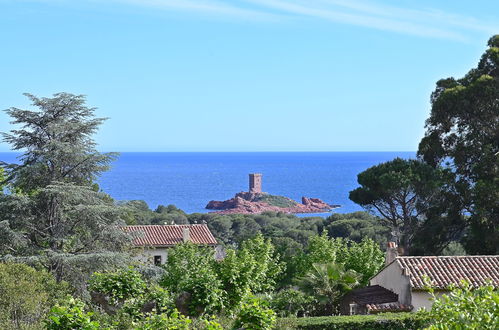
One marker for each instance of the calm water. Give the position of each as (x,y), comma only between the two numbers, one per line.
(190,180)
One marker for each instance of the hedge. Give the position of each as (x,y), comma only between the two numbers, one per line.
(387,321)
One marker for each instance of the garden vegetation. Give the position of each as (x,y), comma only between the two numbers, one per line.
(66,264)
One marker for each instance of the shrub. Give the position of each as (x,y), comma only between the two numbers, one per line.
(191,277)
(254,314)
(291,302)
(118,286)
(26,295)
(70,315)
(466,308)
(388,321)
(173,321)
(251,269)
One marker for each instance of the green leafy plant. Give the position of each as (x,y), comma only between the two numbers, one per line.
(26,295)
(191,277)
(254,314)
(172,321)
(252,268)
(70,315)
(118,286)
(328,283)
(465,307)
(292,302)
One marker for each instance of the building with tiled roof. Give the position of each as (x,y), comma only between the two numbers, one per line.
(155,240)
(405,275)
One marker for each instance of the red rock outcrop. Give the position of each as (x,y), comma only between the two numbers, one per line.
(244,203)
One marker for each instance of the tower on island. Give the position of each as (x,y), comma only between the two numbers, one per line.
(255,183)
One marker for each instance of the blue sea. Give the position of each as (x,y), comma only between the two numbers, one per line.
(190,180)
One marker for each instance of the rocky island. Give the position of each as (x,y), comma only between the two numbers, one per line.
(255,201)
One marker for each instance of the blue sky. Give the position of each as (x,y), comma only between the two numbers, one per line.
(255,75)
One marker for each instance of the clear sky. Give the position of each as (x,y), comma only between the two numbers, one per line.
(234,75)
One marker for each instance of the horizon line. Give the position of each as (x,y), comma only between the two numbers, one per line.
(246,151)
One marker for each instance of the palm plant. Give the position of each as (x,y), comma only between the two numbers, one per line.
(328,283)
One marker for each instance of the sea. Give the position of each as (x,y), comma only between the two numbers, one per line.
(189,180)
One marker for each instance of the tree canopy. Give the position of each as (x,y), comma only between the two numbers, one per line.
(53,212)
(462,133)
(401,192)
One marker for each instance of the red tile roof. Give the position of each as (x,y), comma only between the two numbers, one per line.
(169,235)
(446,270)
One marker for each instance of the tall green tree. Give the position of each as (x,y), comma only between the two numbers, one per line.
(53,212)
(462,133)
(402,192)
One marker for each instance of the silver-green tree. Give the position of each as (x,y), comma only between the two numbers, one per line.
(53,213)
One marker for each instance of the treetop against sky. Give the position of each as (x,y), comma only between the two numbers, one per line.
(254,75)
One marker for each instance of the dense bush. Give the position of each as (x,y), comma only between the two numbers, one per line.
(292,302)
(365,257)
(192,279)
(26,295)
(126,296)
(254,314)
(70,315)
(164,321)
(118,286)
(388,321)
(253,268)
(466,308)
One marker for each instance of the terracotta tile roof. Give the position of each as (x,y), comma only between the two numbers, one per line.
(391,307)
(373,294)
(169,235)
(446,270)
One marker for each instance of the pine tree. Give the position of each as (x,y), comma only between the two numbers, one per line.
(53,213)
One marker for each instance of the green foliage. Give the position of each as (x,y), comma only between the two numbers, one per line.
(56,143)
(466,308)
(365,258)
(26,295)
(54,214)
(173,321)
(191,276)
(202,284)
(462,134)
(400,191)
(275,200)
(70,315)
(254,314)
(118,286)
(387,321)
(124,293)
(138,213)
(292,302)
(357,226)
(328,283)
(252,268)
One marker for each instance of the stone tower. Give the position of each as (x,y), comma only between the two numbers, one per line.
(255,183)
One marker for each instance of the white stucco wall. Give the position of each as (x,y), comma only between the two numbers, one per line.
(146,255)
(392,278)
(422,299)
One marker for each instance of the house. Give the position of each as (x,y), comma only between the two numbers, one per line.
(155,240)
(400,285)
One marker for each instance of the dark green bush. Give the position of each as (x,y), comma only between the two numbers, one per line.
(389,321)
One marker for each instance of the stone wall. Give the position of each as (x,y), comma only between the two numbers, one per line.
(255,183)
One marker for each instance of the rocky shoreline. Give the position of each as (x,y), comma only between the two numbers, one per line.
(254,203)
